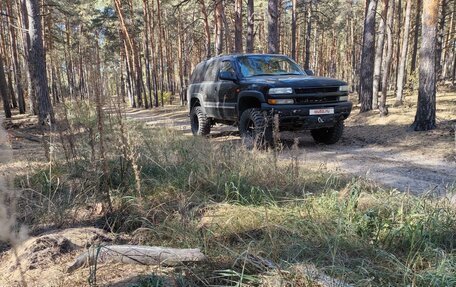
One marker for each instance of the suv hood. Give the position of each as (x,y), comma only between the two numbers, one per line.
(294,81)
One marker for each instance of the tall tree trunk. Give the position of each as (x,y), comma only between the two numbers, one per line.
(425,112)
(368,57)
(37,63)
(26,44)
(379,53)
(4,90)
(146,35)
(135,65)
(16,64)
(160,52)
(399,32)
(293,30)
(403,58)
(250,26)
(219,27)
(273,26)
(308,35)
(238,26)
(388,58)
(446,56)
(206,28)
(440,36)
(416,35)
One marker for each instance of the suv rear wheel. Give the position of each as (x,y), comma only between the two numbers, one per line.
(201,125)
(254,129)
(328,135)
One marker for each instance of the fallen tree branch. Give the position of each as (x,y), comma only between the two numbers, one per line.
(29,137)
(135,254)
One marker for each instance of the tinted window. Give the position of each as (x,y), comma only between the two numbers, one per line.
(198,73)
(211,72)
(268,65)
(227,66)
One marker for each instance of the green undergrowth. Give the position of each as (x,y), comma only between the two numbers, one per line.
(234,203)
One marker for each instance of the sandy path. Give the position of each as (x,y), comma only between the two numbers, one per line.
(406,164)
(389,166)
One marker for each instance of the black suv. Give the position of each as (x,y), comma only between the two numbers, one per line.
(257,91)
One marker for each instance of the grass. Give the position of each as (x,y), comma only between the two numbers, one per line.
(250,214)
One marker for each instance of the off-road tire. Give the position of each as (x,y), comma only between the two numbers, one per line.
(328,135)
(201,125)
(255,129)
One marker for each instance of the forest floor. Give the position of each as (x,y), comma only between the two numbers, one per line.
(382,149)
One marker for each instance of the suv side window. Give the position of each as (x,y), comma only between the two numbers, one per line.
(227,66)
(211,72)
(198,75)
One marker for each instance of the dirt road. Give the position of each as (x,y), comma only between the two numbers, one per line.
(383,150)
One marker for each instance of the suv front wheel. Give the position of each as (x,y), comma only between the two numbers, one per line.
(200,124)
(254,128)
(328,135)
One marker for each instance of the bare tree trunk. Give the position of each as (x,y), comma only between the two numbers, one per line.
(440,36)
(293,29)
(147,32)
(26,44)
(37,63)
(416,35)
(134,63)
(16,64)
(403,58)
(388,59)
(219,28)
(453,74)
(446,56)
(398,36)
(250,26)
(308,35)
(273,26)
(4,91)
(206,28)
(379,53)
(160,52)
(368,57)
(15,60)
(238,26)
(425,113)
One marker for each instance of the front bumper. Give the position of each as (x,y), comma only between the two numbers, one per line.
(296,117)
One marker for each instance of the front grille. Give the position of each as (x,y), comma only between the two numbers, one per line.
(316,100)
(316,90)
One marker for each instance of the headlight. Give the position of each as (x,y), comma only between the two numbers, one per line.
(280,101)
(280,91)
(345,88)
(343,98)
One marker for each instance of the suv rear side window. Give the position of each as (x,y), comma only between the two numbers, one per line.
(211,72)
(198,73)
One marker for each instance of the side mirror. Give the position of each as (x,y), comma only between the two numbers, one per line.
(228,76)
(309,72)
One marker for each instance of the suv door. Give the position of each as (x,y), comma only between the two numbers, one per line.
(209,90)
(226,92)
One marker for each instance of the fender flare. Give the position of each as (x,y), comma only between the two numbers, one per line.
(199,97)
(249,94)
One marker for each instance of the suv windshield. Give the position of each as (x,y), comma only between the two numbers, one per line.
(268,65)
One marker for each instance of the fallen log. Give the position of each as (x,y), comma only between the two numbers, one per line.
(29,137)
(136,254)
